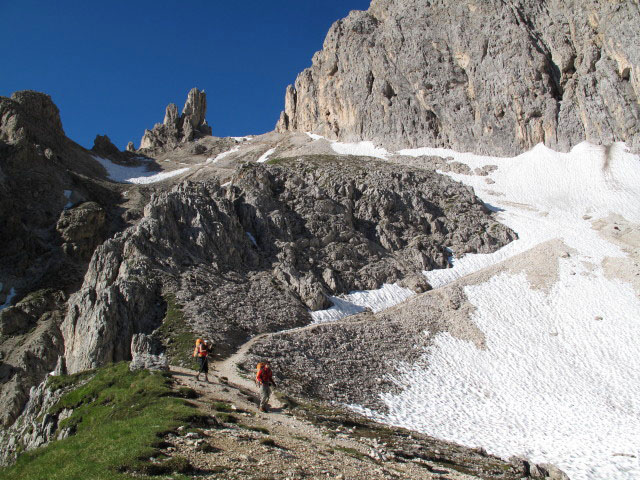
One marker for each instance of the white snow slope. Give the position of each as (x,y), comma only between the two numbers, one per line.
(141,175)
(559,380)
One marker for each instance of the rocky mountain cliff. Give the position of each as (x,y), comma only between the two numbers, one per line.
(494,77)
(255,255)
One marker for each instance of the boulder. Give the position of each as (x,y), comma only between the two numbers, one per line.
(147,353)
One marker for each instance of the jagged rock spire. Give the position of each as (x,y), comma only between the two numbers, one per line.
(177,129)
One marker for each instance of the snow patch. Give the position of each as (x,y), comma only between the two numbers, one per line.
(314,136)
(358,301)
(265,156)
(140,175)
(243,139)
(7,302)
(67,194)
(365,149)
(158,177)
(252,238)
(220,156)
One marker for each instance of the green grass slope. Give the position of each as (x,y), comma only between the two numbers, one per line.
(118,418)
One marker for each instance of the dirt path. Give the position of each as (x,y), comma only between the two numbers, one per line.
(229,367)
(305,441)
(282,444)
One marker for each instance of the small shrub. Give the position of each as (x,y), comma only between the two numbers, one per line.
(186,392)
(226,417)
(255,429)
(207,448)
(222,406)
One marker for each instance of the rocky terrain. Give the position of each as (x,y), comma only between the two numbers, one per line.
(243,248)
(112,255)
(493,77)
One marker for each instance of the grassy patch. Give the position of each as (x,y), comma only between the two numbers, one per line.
(169,466)
(118,416)
(268,442)
(254,429)
(56,382)
(352,452)
(206,447)
(176,335)
(187,392)
(276,161)
(222,406)
(226,417)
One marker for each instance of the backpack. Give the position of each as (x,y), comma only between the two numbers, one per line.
(195,350)
(258,368)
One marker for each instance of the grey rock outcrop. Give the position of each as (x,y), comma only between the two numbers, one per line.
(176,129)
(81,229)
(255,256)
(55,209)
(147,353)
(493,77)
(42,174)
(29,116)
(130,147)
(30,347)
(35,427)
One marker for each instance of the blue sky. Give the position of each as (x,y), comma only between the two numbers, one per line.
(112,67)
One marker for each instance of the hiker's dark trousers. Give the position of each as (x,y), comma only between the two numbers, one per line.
(204,365)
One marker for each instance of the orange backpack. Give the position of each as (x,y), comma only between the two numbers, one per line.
(258,368)
(195,351)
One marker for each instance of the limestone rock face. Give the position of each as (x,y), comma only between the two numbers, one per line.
(255,256)
(27,358)
(176,129)
(131,147)
(493,77)
(82,229)
(42,174)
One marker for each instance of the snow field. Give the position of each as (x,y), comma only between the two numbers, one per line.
(559,380)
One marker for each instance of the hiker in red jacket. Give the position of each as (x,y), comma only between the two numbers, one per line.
(264,379)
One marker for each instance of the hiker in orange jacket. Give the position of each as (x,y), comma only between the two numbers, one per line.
(264,378)
(201,352)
